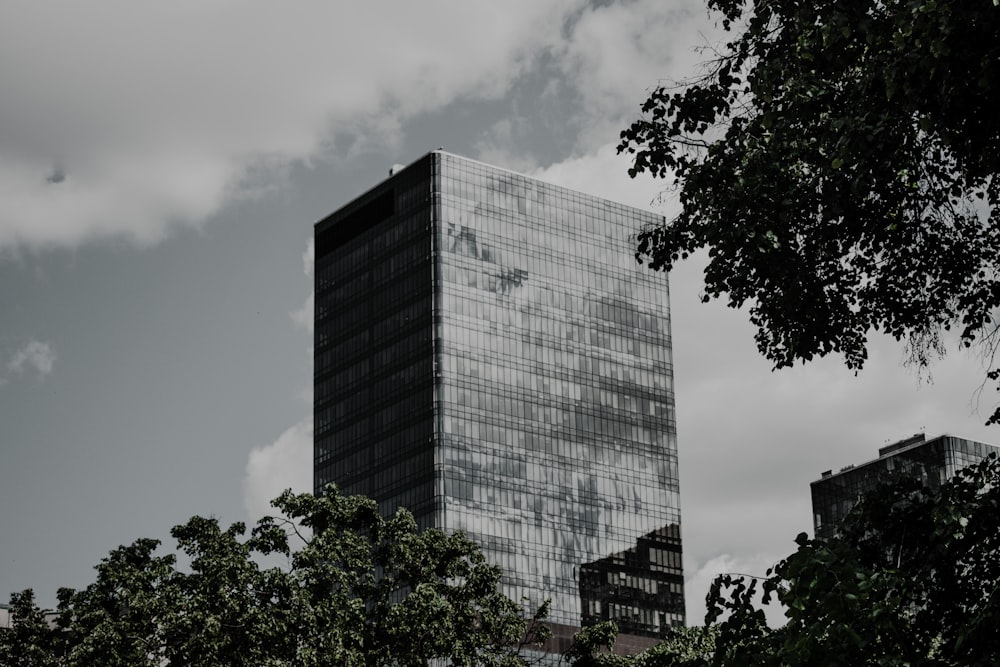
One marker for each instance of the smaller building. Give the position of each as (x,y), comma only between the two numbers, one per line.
(932,461)
(641,589)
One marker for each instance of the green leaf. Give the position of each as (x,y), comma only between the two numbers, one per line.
(917,96)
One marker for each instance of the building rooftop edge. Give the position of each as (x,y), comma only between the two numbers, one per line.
(920,443)
(441,151)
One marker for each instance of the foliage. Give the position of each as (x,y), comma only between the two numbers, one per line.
(913,578)
(593,644)
(369,591)
(682,647)
(117,620)
(29,641)
(357,590)
(840,162)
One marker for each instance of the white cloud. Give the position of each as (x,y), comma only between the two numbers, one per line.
(618,51)
(131,119)
(497,146)
(604,173)
(309,257)
(35,356)
(303,317)
(140,117)
(284,464)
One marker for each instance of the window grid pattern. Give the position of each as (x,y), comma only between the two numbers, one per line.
(489,355)
(373,385)
(933,462)
(554,400)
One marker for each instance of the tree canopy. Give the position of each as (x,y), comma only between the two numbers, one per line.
(912,578)
(839,161)
(347,588)
(682,647)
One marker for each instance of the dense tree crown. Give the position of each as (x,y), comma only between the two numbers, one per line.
(349,589)
(913,578)
(839,160)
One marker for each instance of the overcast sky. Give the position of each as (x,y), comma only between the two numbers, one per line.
(161,167)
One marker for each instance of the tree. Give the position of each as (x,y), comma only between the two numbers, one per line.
(912,578)
(120,619)
(222,612)
(840,162)
(682,647)
(368,591)
(349,589)
(30,641)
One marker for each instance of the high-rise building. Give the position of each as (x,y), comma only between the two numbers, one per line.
(932,461)
(490,355)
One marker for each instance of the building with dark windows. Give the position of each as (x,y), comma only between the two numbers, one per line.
(490,355)
(633,587)
(932,461)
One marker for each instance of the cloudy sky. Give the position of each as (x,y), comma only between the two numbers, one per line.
(161,166)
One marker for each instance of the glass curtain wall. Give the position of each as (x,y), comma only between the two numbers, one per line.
(555,429)
(489,354)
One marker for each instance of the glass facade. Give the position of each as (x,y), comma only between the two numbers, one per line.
(490,355)
(932,461)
